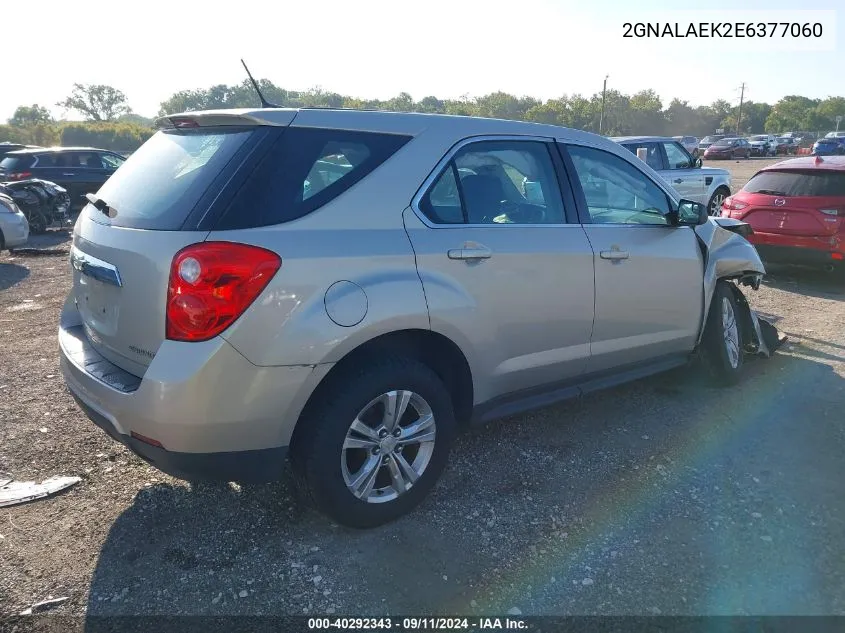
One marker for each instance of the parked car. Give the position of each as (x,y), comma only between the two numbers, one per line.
(14,229)
(218,323)
(797,210)
(763,145)
(707,185)
(43,203)
(80,170)
(689,143)
(829,146)
(730,147)
(835,134)
(786,145)
(708,140)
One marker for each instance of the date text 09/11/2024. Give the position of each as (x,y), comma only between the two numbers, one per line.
(706,30)
(417,624)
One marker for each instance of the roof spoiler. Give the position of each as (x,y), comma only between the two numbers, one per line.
(244,117)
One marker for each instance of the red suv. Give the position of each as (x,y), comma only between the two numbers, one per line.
(797,210)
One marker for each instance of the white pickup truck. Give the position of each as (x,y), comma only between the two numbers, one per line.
(673,163)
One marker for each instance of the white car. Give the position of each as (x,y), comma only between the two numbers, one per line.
(14,228)
(707,185)
(763,144)
(690,144)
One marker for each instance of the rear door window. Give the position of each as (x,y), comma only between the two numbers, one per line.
(305,169)
(798,183)
(161,183)
(654,158)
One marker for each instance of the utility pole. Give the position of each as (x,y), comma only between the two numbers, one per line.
(739,116)
(838,121)
(601,116)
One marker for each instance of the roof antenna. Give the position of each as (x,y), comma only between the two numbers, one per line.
(264,102)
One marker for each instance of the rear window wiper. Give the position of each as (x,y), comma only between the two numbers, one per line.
(101,205)
(770,192)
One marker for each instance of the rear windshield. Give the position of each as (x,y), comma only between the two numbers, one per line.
(160,184)
(725,142)
(16,163)
(798,183)
(305,169)
(710,139)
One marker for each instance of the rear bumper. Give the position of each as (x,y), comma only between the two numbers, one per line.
(806,251)
(254,466)
(215,415)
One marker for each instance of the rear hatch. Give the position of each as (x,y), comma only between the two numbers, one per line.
(797,202)
(16,167)
(154,205)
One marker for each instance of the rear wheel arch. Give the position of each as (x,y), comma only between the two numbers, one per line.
(436,351)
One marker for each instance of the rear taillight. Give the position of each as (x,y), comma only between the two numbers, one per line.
(212,284)
(19,175)
(731,204)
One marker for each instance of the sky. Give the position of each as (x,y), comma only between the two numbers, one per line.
(378,48)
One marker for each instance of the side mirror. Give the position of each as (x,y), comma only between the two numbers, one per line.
(697,162)
(692,213)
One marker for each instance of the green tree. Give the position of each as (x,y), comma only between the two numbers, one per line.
(96,102)
(431,104)
(30,115)
(829,109)
(681,118)
(791,113)
(647,113)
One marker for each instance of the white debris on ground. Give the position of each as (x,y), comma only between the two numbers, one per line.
(15,492)
(44,605)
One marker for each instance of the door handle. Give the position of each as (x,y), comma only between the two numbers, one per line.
(678,181)
(68,174)
(614,255)
(470,253)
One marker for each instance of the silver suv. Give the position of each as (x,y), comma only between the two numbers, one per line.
(352,288)
(707,185)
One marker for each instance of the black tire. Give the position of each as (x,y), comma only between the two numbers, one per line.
(724,193)
(37,223)
(316,452)
(723,368)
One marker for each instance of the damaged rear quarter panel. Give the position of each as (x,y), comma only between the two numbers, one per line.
(727,255)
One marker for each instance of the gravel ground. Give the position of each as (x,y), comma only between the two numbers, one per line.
(665,496)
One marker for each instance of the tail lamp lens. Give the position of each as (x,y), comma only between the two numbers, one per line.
(732,204)
(211,286)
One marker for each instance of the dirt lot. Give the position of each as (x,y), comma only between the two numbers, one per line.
(664,496)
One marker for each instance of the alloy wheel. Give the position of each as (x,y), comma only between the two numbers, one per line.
(388,446)
(716,204)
